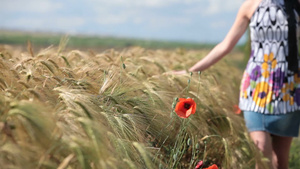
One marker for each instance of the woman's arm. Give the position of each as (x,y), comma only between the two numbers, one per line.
(237,30)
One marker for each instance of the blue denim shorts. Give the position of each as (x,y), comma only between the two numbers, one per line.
(286,125)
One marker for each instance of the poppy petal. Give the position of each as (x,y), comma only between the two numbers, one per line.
(181,114)
(188,112)
(185,107)
(237,109)
(214,166)
(194,108)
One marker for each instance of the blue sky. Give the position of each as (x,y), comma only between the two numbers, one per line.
(180,20)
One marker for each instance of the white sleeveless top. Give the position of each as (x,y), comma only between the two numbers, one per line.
(271,81)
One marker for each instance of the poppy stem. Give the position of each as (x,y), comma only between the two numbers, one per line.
(199,73)
(204,156)
(194,151)
(189,81)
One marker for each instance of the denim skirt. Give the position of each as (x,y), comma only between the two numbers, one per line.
(286,125)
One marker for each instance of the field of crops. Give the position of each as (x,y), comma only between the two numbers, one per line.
(79,109)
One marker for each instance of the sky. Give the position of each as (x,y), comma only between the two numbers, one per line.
(177,20)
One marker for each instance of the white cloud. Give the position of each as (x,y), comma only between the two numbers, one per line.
(138,12)
(217,6)
(121,11)
(146,15)
(212,7)
(197,6)
(219,24)
(140,16)
(167,22)
(33,6)
(111,19)
(142,3)
(61,24)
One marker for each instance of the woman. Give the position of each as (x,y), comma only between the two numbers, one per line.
(270,89)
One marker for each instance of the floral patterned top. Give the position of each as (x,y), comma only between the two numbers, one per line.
(271,81)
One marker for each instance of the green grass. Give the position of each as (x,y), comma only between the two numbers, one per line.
(294,161)
(85,41)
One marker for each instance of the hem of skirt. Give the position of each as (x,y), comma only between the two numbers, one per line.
(243,110)
(274,133)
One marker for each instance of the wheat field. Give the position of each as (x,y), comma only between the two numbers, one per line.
(72,109)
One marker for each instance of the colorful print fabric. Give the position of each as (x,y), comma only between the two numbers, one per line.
(271,84)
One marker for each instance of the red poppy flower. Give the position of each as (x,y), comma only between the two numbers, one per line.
(214,166)
(237,109)
(185,107)
(199,164)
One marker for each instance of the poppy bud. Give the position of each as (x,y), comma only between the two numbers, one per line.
(199,164)
(189,141)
